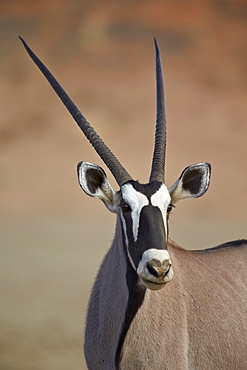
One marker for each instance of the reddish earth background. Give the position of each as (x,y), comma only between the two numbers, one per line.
(53,237)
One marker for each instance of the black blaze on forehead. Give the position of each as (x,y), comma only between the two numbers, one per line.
(151,229)
(146,189)
(151,233)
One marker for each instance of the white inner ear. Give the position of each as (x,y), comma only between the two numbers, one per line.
(177,192)
(82,169)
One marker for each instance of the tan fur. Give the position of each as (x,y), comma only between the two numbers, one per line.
(198,321)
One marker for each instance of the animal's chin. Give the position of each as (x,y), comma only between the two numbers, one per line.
(153,285)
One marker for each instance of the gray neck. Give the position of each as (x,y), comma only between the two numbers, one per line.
(115,299)
(135,297)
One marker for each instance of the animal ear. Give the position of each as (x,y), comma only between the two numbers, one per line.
(192,183)
(94,182)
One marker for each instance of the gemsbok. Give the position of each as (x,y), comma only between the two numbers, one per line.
(155,305)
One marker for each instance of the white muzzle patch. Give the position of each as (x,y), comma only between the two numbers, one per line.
(155,268)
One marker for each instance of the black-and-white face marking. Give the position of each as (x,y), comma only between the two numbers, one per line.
(144,220)
(136,200)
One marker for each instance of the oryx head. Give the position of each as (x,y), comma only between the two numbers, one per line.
(143,208)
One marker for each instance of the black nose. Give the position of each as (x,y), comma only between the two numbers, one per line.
(152,270)
(157,269)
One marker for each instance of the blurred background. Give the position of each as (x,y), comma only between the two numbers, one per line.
(53,236)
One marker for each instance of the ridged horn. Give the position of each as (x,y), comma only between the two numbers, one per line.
(158,163)
(118,171)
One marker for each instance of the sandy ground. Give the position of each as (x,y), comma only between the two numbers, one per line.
(52,236)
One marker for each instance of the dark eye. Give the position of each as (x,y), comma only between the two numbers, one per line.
(170,207)
(125,207)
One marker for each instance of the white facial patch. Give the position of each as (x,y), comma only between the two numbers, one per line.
(127,242)
(162,199)
(149,254)
(136,201)
(162,259)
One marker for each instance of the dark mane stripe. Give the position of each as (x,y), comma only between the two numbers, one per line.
(135,300)
(232,244)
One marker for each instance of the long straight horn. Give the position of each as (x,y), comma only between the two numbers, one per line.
(118,171)
(158,164)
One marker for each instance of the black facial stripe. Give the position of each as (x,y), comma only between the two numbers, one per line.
(147,189)
(151,229)
(151,233)
(127,219)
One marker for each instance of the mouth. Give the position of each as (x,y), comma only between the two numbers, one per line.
(155,269)
(153,285)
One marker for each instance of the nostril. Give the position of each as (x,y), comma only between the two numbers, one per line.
(167,271)
(152,270)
